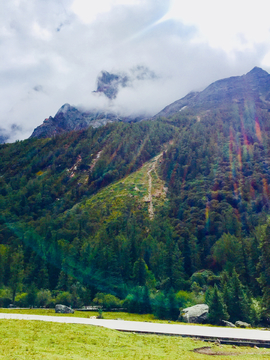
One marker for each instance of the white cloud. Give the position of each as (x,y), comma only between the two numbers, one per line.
(53,51)
(89,11)
(229,25)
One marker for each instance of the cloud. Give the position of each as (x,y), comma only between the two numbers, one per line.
(227,25)
(53,51)
(89,11)
(110,84)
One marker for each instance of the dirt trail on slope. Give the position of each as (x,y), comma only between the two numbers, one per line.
(150,198)
(95,160)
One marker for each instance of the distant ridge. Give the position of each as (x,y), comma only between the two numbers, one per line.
(70,118)
(253,87)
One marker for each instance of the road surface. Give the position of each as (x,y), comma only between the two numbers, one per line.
(226,335)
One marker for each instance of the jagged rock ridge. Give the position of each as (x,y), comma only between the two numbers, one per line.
(70,118)
(253,87)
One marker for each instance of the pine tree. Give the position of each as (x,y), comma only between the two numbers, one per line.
(264,266)
(177,272)
(16,271)
(140,272)
(217,308)
(173,307)
(146,305)
(238,307)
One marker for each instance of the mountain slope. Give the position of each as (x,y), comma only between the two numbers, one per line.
(178,203)
(56,191)
(252,87)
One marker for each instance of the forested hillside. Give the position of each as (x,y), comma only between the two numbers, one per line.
(150,216)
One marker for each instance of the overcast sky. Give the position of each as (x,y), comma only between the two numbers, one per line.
(52,52)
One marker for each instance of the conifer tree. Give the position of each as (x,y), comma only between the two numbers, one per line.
(177,273)
(16,271)
(238,307)
(264,266)
(146,305)
(173,307)
(217,308)
(140,272)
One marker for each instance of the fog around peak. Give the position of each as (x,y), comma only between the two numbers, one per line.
(54,53)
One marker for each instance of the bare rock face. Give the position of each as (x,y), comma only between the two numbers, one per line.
(197,314)
(63,309)
(69,118)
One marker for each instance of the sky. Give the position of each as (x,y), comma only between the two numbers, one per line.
(53,51)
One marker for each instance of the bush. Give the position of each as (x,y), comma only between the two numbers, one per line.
(204,278)
(138,301)
(21,300)
(256,312)
(64,298)
(160,306)
(4,302)
(5,297)
(131,303)
(185,299)
(44,298)
(100,314)
(107,301)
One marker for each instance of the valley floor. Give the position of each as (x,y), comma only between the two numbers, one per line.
(24,339)
(228,335)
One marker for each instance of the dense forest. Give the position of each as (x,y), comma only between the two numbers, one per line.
(75,225)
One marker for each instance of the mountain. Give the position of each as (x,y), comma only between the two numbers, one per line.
(152,215)
(109,84)
(254,86)
(69,118)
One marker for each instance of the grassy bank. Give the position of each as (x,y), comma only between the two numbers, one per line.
(21,339)
(86,314)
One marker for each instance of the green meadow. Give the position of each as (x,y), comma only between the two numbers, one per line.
(20,339)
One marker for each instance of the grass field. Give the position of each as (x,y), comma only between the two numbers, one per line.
(20,339)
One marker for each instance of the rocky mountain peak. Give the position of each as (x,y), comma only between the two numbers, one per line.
(69,118)
(63,109)
(253,87)
(257,72)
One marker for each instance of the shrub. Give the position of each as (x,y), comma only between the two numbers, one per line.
(107,301)
(4,302)
(100,314)
(44,298)
(159,305)
(22,300)
(138,300)
(5,297)
(131,303)
(185,299)
(64,298)
(256,312)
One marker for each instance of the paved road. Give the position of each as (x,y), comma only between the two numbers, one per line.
(224,334)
